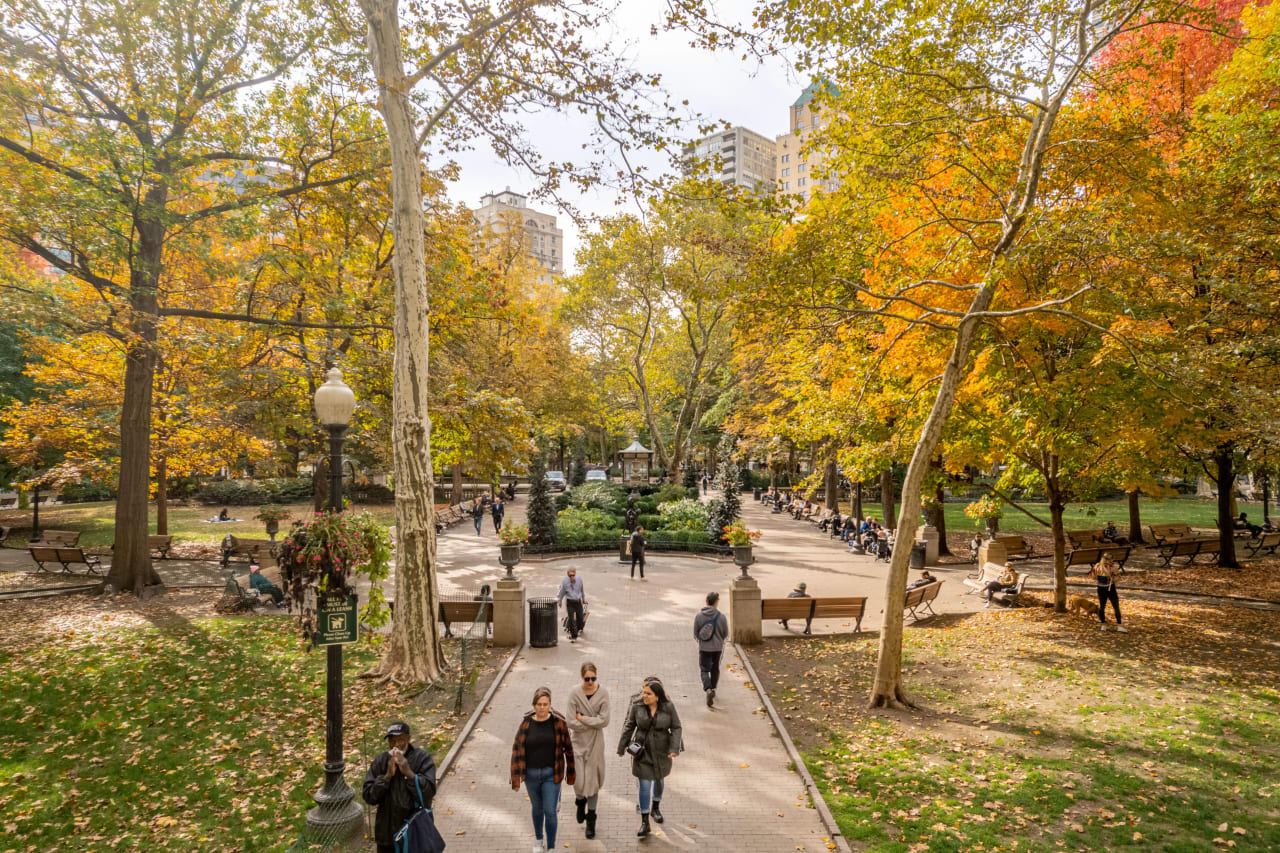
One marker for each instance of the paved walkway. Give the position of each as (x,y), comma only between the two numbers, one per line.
(730,791)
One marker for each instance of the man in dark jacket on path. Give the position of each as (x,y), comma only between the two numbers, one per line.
(498,510)
(710,628)
(637,551)
(390,785)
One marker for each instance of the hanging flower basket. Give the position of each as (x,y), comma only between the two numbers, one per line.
(326,553)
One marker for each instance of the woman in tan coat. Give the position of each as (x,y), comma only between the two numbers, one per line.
(588,716)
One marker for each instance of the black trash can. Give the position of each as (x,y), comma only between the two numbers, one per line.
(918,550)
(542,622)
(756,493)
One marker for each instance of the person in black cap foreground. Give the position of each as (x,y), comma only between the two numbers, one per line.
(390,785)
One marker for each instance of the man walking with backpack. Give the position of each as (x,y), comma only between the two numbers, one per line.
(710,628)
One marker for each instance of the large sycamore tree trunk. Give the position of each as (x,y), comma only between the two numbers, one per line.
(413,655)
(1057,509)
(131,567)
(886,501)
(831,479)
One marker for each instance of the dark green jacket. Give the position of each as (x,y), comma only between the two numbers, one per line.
(661,734)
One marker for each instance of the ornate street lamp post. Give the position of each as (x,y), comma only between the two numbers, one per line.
(336,812)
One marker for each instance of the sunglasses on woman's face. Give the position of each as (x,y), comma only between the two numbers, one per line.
(588,678)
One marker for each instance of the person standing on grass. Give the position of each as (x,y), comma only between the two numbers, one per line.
(1107,573)
(637,552)
(498,510)
(653,737)
(588,718)
(575,598)
(395,782)
(542,758)
(710,628)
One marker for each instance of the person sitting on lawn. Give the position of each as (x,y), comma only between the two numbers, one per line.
(798,592)
(925,580)
(224,515)
(258,581)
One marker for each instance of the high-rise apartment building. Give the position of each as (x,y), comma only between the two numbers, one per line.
(738,157)
(798,161)
(543,240)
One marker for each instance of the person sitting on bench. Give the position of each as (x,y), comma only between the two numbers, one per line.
(1110,534)
(259,582)
(798,592)
(925,580)
(1007,582)
(832,523)
(1242,523)
(849,528)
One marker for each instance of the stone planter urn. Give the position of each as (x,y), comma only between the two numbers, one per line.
(993,527)
(273,527)
(742,557)
(509,556)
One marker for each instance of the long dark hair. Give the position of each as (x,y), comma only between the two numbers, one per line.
(658,690)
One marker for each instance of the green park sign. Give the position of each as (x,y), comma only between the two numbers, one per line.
(336,622)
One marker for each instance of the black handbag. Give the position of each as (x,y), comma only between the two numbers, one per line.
(637,747)
(419,833)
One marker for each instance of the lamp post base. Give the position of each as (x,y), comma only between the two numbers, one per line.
(337,814)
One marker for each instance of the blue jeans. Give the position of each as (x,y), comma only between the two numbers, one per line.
(649,791)
(544,796)
(479,521)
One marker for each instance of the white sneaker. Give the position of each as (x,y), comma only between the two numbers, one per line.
(987,606)
(1104,626)
(1122,629)
(539,846)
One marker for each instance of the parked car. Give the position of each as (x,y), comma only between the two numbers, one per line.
(556,480)
(597,475)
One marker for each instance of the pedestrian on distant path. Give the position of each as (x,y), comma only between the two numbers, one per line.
(652,736)
(498,510)
(588,718)
(542,757)
(398,782)
(477,514)
(637,552)
(1107,573)
(574,596)
(799,592)
(706,481)
(710,628)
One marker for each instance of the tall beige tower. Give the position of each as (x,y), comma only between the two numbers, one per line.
(543,240)
(739,157)
(798,160)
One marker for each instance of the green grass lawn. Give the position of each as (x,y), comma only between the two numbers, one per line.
(1067,738)
(1198,512)
(203,734)
(96,522)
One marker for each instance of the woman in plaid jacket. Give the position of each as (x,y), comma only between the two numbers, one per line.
(542,756)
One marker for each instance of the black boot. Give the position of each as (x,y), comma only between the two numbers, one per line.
(644,826)
(655,812)
(581,803)
(591,824)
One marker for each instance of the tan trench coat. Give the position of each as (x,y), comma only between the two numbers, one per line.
(588,738)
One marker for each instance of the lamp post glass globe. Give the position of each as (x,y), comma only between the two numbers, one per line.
(334,400)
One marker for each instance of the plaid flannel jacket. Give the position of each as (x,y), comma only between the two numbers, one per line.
(564,751)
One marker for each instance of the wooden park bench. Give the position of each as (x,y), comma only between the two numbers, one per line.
(1164,534)
(159,544)
(65,556)
(8,502)
(237,599)
(1189,548)
(922,597)
(1266,542)
(465,611)
(1016,547)
(1091,555)
(978,581)
(56,538)
(809,609)
(253,550)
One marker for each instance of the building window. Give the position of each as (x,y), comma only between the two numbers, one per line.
(786,158)
(800,182)
(802,167)
(786,185)
(786,172)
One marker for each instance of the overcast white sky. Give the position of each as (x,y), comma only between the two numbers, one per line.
(721,86)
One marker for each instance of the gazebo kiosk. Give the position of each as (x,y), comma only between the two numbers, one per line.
(635,464)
